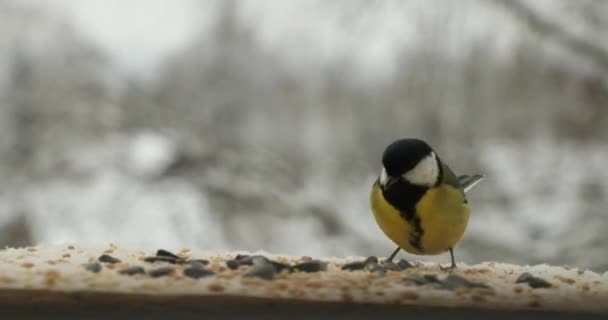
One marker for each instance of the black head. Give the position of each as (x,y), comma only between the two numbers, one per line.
(412,160)
(403,155)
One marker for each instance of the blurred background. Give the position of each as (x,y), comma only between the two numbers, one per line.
(249,125)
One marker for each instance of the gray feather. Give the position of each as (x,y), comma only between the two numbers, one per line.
(467,182)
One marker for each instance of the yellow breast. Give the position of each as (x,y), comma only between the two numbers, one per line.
(443,216)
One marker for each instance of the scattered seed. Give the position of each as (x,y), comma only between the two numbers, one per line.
(233,264)
(371,259)
(164,259)
(108,258)
(373,265)
(160,272)
(262,268)
(248,260)
(310,266)
(376,268)
(390,266)
(197,264)
(355,265)
(533,281)
(453,282)
(280,266)
(404,264)
(199,261)
(422,280)
(93,267)
(197,273)
(165,253)
(132,271)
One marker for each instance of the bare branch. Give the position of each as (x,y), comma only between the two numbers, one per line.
(556,32)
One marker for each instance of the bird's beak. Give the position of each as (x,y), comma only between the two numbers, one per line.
(390,181)
(387,181)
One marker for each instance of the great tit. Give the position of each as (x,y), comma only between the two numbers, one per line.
(418,202)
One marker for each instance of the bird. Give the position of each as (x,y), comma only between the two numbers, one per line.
(418,201)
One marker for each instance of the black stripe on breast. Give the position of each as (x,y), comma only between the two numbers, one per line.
(416,235)
(404,196)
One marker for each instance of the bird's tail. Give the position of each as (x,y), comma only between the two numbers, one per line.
(467,182)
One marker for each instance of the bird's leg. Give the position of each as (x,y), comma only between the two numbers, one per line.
(392,256)
(453,266)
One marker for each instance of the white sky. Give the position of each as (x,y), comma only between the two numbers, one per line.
(135,33)
(367,35)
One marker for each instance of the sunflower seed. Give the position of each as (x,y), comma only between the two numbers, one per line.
(262,268)
(164,259)
(533,281)
(355,265)
(93,267)
(197,273)
(108,258)
(453,282)
(132,271)
(232,264)
(421,279)
(165,253)
(160,272)
(310,266)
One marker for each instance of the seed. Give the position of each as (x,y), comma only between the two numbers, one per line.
(196,265)
(262,269)
(165,253)
(233,264)
(197,273)
(533,281)
(108,258)
(355,265)
(164,259)
(371,259)
(198,261)
(376,268)
(160,272)
(453,282)
(93,267)
(422,280)
(279,266)
(132,271)
(391,266)
(310,266)
(249,260)
(404,264)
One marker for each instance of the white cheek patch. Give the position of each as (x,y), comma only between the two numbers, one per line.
(425,172)
(383,177)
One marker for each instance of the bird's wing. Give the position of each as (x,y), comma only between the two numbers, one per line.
(467,182)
